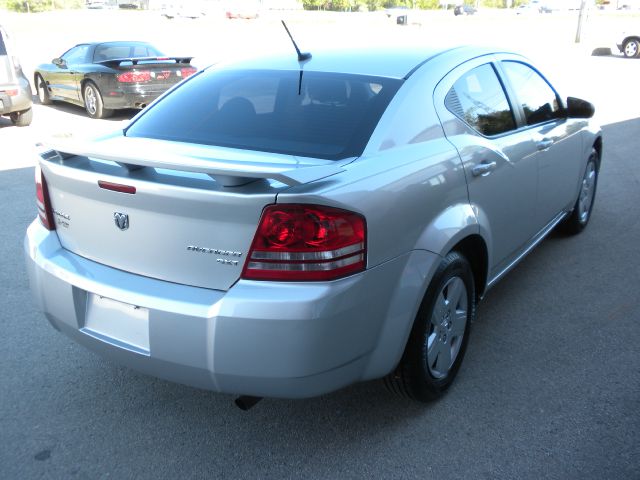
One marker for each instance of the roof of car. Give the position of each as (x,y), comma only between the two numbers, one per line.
(114,43)
(393,62)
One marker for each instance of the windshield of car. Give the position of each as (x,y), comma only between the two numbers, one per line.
(311,114)
(6,74)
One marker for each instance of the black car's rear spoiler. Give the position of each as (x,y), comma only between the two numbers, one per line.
(118,62)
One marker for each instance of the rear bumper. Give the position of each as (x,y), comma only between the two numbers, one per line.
(272,339)
(15,103)
(118,99)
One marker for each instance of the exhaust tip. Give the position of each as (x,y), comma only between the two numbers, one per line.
(246,402)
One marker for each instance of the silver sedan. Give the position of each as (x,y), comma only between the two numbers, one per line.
(290,225)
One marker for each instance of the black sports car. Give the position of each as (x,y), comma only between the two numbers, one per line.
(106,76)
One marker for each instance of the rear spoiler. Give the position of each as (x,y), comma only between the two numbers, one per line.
(228,167)
(119,62)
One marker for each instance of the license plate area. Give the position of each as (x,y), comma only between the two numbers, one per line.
(120,324)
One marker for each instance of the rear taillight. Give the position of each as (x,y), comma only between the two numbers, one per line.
(186,72)
(306,243)
(42,199)
(134,77)
(11,93)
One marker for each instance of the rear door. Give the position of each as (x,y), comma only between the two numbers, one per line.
(499,160)
(557,138)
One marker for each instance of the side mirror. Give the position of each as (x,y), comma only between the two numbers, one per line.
(59,62)
(578,108)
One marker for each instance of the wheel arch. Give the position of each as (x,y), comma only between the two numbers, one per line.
(83,84)
(466,229)
(597,145)
(474,249)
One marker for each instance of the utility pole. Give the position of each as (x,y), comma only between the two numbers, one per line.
(583,6)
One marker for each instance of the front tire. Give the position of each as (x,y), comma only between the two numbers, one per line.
(581,214)
(42,91)
(440,333)
(631,48)
(22,119)
(93,103)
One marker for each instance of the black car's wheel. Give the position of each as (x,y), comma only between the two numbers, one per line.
(93,102)
(440,333)
(22,119)
(42,90)
(579,218)
(631,48)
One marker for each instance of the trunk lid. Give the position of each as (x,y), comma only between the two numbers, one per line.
(184,223)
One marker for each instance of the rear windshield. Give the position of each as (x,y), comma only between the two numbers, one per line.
(112,52)
(322,115)
(5,64)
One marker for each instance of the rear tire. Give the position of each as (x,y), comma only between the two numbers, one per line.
(440,333)
(631,48)
(22,119)
(93,103)
(42,91)
(581,214)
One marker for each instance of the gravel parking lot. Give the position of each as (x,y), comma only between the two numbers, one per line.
(550,387)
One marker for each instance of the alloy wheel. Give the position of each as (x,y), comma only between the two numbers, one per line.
(90,100)
(631,48)
(587,192)
(447,327)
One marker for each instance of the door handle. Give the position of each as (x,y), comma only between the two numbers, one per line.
(544,144)
(483,169)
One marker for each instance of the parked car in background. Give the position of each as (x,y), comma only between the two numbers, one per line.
(184,9)
(629,44)
(464,10)
(133,4)
(107,76)
(527,9)
(537,6)
(268,230)
(15,90)
(245,9)
(96,4)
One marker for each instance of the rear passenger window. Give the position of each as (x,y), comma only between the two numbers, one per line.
(539,102)
(479,99)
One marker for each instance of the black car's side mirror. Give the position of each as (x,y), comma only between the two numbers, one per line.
(578,108)
(59,62)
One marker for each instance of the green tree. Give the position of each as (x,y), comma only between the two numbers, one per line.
(40,5)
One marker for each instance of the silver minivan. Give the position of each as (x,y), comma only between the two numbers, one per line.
(15,90)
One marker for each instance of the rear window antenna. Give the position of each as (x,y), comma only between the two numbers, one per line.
(302,56)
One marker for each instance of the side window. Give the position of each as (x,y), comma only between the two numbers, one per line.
(76,55)
(539,101)
(3,48)
(479,99)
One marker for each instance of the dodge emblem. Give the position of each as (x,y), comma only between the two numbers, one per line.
(121,219)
